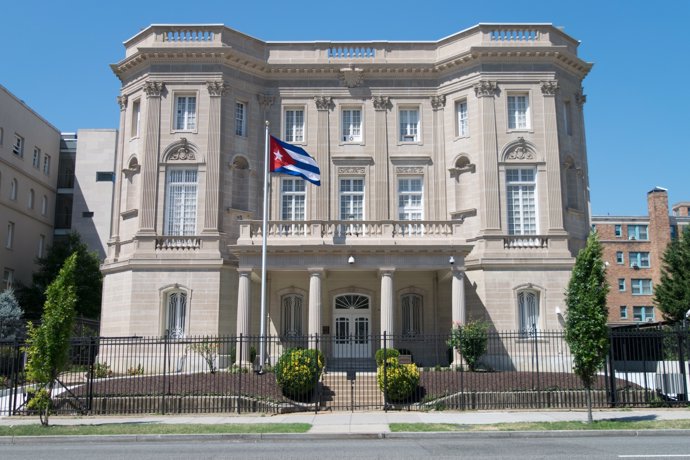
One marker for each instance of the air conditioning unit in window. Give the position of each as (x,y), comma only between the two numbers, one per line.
(650,320)
(635,267)
(408,138)
(632,238)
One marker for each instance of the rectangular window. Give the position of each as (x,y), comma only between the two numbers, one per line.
(522,202)
(637,232)
(528,312)
(36,159)
(645,314)
(351,202)
(181,196)
(87,214)
(674,232)
(293,195)
(618,230)
(294,125)
(641,286)
(18,147)
(136,118)
(619,258)
(567,118)
(352,125)
(639,259)
(292,315)
(411,202)
(411,315)
(41,245)
(185,113)
(621,284)
(46,165)
(409,125)
(9,239)
(623,312)
(240,119)
(7,278)
(461,114)
(105,176)
(518,111)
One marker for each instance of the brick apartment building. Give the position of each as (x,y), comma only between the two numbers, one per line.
(633,250)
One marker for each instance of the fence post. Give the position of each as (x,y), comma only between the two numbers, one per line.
(239,379)
(165,370)
(15,374)
(317,387)
(91,374)
(612,372)
(681,363)
(385,373)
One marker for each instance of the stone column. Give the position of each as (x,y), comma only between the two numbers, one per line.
(315,276)
(117,188)
(256,198)
(438,209)
(381,182)
(243,314)
(216,89)
(149,164)
(387,306)
(458,309)
(319,201)
(579,129)
(552,156)
(489,199)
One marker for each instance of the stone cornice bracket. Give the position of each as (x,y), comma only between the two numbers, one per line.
(580,98)
(217,88)
(351,76)
(323,102)
(549,87)
(486,88)
(154,88)
(381,102)
(265,100)
(122,101)
(438,102)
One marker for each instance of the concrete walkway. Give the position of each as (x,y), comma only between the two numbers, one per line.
(367,422)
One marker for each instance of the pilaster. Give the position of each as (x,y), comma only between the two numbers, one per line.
(216,91)
(438,209)
(381,182)
(149,165)
(489,199)
(319,202)
(115,216)
(551,154)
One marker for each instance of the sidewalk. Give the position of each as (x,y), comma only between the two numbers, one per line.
(367,422)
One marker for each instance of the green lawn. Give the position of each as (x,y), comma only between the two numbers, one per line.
(545,426)
(153,428)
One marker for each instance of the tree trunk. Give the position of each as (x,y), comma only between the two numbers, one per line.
(589,405)
(44,413)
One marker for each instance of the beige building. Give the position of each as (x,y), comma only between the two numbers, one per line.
(453,184)
(29,147)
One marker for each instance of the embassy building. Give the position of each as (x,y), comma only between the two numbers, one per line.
(454,184)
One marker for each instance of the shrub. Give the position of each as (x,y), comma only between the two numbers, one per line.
(400,382)
(139,370)
(102,370)
(297,371)
(389,353)
(208,351)
(470,340)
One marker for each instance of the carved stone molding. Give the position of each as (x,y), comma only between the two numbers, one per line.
(580,98)
(381,102)
(351,76)
(520,151)
(486,88)
(183,152)
(154,88)
(265,100)
(122,101)
(323,102)
(409,170)
(217,88)
(351,170)
(549,87)
(438,102)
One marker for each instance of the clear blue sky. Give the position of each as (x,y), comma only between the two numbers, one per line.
(56,56)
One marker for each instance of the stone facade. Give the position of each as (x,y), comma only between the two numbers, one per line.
(478,138)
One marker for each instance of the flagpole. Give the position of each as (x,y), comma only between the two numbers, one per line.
(262,334)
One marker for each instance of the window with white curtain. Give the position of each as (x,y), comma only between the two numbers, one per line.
(461,114)
(411,314)
(528,312)
(294,125)
(180,202)
(521,201)
(352,125)
(176,314)
(185,113)
(352,201)
(411,202)
(409,125)
(293,195)
(291,315)
(518,111)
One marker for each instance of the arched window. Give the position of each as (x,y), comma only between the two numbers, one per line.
(13,190)
(291,315)
(240,183)
(44,205)
(528,312)
(176,314)
(411,314)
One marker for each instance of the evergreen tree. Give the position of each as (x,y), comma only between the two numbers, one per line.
(586,329)
(10,315)
(48,343)
(672,294)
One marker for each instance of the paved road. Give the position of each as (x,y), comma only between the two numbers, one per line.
(446,446)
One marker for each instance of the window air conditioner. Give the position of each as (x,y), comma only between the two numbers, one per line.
(632,238)
(635,267)
(650,320)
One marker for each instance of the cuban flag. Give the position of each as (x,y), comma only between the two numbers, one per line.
(290,159)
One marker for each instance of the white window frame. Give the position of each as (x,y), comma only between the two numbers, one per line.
(621,284)
(293,204)
(462,126)
(135,122)
(294,124)
(14,187)
(623,311)
(351,130)
(409,130)
(643,313)
(36,159)
(18,146)
(352,200)
(46,164)
(291,308)
(618,230)
(620,258)
(528,301)
(638,232)
(8,278)
(518,109)
(185,118)
(240,118)
(32,198)
(181,201)
(9,238)
(176,313)
(44,205)
(641,286)
(519,192)
(639,259)
(411,314)
(411,192)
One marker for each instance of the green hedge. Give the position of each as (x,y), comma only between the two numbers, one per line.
(400,382)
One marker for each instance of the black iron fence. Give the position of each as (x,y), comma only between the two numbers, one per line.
(128,375)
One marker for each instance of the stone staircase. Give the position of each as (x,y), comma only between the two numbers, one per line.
(340,393)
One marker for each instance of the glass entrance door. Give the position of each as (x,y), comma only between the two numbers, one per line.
(352,320)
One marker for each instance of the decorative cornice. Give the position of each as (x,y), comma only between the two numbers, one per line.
(438,102)
(122,101)
(580,98)
(323,102)
(154,88)
(486,88)
(265,100)
(183,152)
(549,87)
(351,170)
(217,88)
(351,76)
(409,170)
(381,102)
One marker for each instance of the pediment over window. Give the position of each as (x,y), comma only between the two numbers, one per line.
(182,151)
(520,150)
